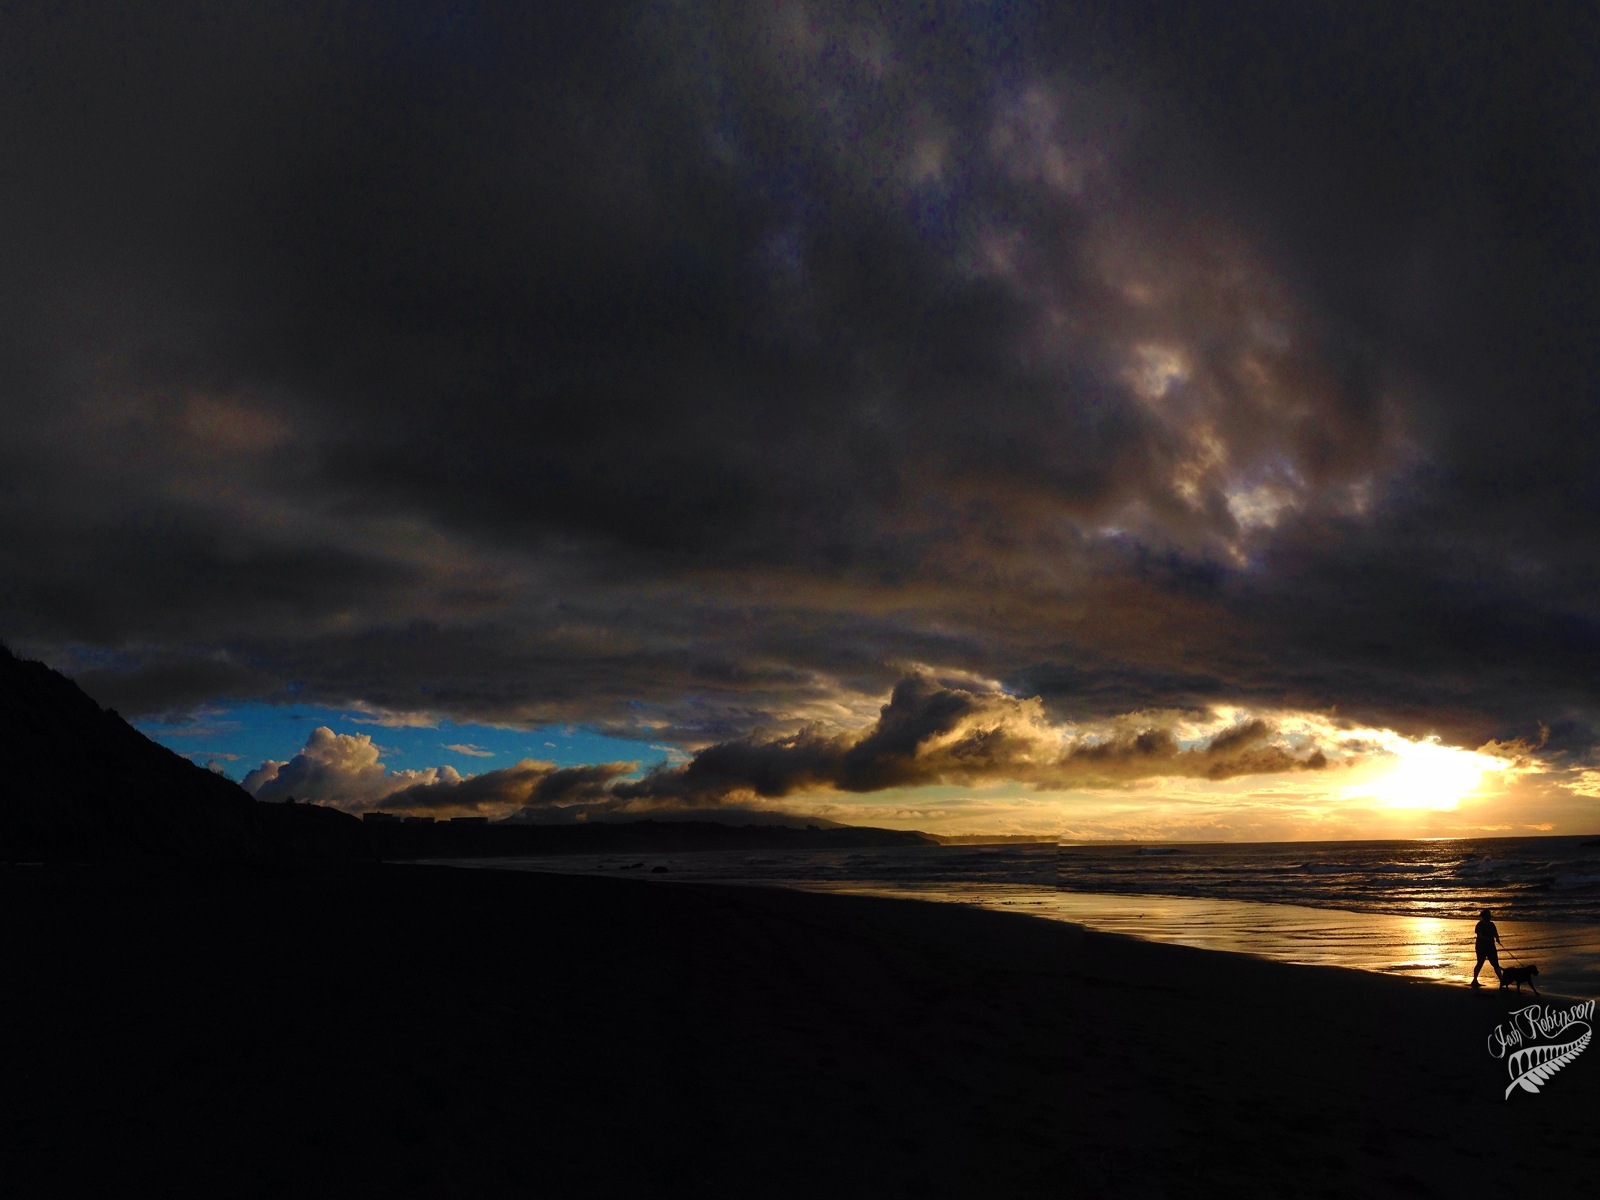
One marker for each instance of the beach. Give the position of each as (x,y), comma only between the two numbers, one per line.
(441,1032)
(1400,907)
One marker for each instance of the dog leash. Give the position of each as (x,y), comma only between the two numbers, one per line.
(1513,954)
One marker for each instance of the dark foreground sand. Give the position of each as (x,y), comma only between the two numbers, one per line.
(424,1031)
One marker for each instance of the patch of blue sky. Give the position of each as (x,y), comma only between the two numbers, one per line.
(238,738)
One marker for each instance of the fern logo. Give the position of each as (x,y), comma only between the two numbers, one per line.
(1538,1041)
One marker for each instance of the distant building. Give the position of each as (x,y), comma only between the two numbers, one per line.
(468,821)
(380,817)
(418,820)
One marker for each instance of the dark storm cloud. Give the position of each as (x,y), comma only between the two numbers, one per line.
(930,733)
(689,370)
(536,789)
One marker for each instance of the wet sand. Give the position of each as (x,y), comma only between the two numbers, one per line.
(1419,945)
(1424,948)
(436,1032)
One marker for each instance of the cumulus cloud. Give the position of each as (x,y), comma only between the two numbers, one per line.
(347,771)
(339,769)
(931,731)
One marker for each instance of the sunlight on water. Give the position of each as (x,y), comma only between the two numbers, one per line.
(1402,908)
(1428,948)
(1434,939)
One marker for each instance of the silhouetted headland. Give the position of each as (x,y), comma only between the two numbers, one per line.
(81,784)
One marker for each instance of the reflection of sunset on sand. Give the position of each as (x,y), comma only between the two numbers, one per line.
(1425,948)
(1404,908)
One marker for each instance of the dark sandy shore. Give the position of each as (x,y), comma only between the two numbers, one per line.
(435,1032)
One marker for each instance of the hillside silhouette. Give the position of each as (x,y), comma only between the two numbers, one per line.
(397,841)
(78,783)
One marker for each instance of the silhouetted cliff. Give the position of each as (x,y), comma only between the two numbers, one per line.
(79,782)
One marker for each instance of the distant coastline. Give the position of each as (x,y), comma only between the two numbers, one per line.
(404,841)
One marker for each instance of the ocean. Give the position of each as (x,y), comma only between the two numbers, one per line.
(1399,907)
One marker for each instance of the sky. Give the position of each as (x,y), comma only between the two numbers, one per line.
(1105,420)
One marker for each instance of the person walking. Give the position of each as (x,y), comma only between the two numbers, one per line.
(1487,935)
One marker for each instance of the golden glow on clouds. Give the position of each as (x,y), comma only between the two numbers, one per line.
(1587,783)
(1378,783)
(1422,774)
(1155,370)
(1260,507)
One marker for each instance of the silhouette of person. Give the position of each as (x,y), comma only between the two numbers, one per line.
(1487,936)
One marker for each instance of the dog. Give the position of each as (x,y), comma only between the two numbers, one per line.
(1519,976)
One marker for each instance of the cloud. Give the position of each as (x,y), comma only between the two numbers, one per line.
(685,371)
(931,733)
(365,715)
(928,733)
(536,790)
(346,771)
(468,749)
(339,769)
(956,753)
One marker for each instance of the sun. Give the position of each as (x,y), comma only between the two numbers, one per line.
(1426,775)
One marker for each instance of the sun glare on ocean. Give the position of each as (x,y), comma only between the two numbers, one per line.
(1425,775)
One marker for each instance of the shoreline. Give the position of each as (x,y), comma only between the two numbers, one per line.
(1435,949)
(434,1031)
(1427,950)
